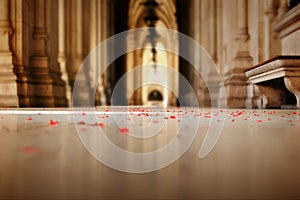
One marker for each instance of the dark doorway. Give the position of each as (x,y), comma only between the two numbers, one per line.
(155,95)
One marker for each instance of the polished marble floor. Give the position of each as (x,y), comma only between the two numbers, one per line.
(43,154)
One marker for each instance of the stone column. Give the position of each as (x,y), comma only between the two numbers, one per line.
(130,59)
(272,41)
(101,36)
(82,97)
(242,35)
(40,88)
(92,15)
(235,80)
(46,88)
(8,85)
(212,96)
(190,24)
(62,58)
(21,17)
(96,33)
(195,32)
(59,89)
(219,25)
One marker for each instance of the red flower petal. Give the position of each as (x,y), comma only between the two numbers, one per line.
(81,123)
(83,129)
(30,149)
(124,130)
(101,124)
(52,122)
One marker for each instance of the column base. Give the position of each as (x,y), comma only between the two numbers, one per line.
(9,101)
(8,84)
(39,87)
(236,94)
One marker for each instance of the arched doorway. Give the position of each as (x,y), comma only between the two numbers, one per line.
(155,98)
(155,95)
(165,13)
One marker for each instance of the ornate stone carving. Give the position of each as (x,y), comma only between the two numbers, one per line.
(293,85)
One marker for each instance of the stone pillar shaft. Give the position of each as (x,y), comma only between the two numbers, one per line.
(4,15)
(40,35)
(235,79)
(242,34)
(40,90)
(46,88)
(195,33)
(62,59)
(8,85)
(272,42)
(5,29)
(77,50)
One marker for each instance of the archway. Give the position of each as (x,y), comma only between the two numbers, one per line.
(165,12)
(155,95)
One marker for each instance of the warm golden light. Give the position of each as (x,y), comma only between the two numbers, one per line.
(158,74)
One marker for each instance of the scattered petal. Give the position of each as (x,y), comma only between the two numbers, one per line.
(83,129)
(30,149)
(124,130)
(52,122)
(81,123)
(101,124)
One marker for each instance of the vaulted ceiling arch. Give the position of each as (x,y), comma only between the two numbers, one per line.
(166,12)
